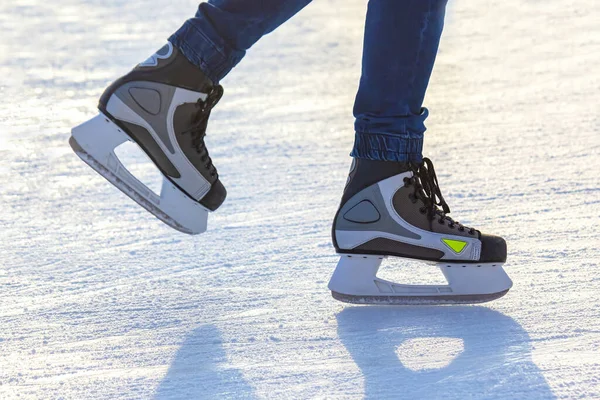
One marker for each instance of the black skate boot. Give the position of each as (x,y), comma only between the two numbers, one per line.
(397,209)
(163,105)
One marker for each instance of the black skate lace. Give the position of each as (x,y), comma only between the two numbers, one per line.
(198,126)
(427,189)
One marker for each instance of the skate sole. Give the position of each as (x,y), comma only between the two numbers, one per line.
(126,188)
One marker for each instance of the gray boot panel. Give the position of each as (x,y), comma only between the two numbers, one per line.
(363,213)
(385,223)
(148,99)
(157,121)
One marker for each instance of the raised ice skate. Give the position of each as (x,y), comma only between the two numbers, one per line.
(403,214)
(163,105)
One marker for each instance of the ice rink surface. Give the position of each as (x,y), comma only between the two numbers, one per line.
(99,300)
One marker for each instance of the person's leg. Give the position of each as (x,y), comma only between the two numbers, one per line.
(164,104)
(400,45)
(392,204)
(217,38)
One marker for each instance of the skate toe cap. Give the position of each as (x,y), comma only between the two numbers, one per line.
(215,197)
(493,248)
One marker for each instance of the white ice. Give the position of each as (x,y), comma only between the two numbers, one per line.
(99,300)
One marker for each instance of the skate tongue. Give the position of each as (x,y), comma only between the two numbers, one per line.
(428,190)
(429,187)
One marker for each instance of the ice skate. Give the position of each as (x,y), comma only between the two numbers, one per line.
(397,210)
(163,105)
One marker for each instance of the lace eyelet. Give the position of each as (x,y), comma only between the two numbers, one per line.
(422,210)
(461,228)
(451,226)
(441,221)
(471,232)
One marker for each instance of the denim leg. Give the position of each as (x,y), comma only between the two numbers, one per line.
(400,45)
(217,38)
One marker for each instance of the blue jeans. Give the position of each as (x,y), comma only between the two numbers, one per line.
(400,44)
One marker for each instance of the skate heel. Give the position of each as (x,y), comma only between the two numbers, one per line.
(94,142)
(355,274)
(355,281)
(98,136)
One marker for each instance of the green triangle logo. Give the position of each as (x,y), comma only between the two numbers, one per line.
(456,245)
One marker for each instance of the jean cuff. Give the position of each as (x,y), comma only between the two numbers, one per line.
(387,147)
(213,59)
(390,138)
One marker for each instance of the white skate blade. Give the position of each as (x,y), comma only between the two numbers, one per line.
(94,142)
(355,281)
